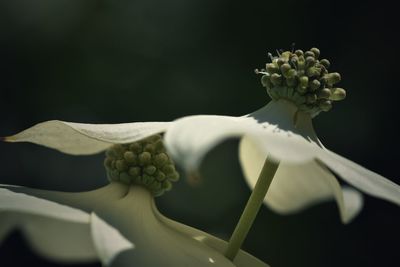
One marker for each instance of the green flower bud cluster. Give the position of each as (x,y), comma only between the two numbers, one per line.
(302,78)
(144,162)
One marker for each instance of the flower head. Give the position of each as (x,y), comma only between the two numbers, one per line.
(144,163)
(282,129)
(303,79)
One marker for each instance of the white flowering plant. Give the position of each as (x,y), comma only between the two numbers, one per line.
(283,161)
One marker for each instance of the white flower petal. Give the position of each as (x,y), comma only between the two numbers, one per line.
(23,203)
(190,138)
(243,259)
(285,146)
(285,115)
(82,139)
(363,179)
(55,231)
(156,244)
(296,186)
(353,201)
(107,240)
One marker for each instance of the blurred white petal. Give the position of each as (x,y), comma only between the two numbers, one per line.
(190,138)
(23,203)
(243,259)
(82,139)
(107,240)
(55,231)
(297,186)
(125,229)
(156,244)
(353,201)
(363,179)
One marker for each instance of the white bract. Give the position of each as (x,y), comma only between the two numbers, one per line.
(116,224)
(305,175)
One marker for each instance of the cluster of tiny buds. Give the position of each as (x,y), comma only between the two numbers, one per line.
(144,162)
(302,78)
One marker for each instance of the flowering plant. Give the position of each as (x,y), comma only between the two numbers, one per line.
(282,159)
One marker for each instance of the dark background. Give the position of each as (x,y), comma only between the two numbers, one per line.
(123,61)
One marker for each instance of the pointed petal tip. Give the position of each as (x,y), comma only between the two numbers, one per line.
(5,139)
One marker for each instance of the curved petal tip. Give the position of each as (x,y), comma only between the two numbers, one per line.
(353,204)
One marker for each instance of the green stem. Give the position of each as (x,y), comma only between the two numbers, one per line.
(253,205)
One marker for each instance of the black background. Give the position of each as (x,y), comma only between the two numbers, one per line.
(123,61)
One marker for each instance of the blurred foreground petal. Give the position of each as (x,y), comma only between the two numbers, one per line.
(55,231)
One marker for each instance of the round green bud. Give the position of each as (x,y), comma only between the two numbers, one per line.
(315,51)
(299,52)
(121,165)
(173,177)
(337,94)
(161,159)
(314,85)
(325,105)
(136,148)
(324,93)
(144,158)
(150,169)
(280,61)
(333,78)
(286,55)
(168,169)
(290,74)
(144,163)
(285,67)
(325,63)
(167,185)
(276,79)
(301,63)
(313,72)
(303,81)
(271,68)
(293,57)
(309,54)
(130,157)
(160,176)
(149,148)
(159,147)
(310,61)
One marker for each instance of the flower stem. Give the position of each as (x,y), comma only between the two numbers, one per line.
(253,205)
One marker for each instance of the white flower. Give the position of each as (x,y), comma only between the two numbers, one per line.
(300,87)
(117,224)
(305,175)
